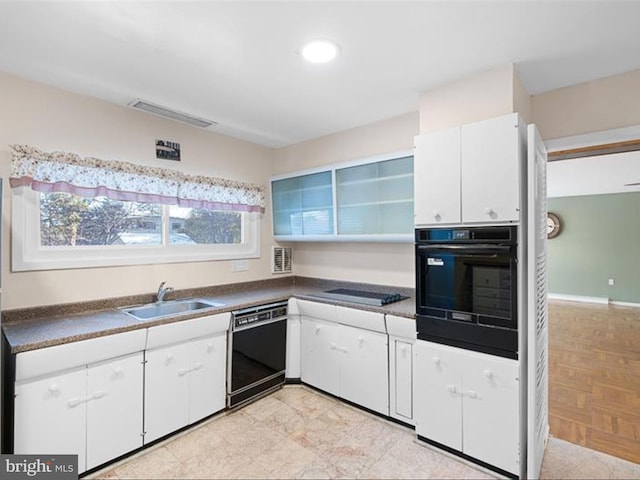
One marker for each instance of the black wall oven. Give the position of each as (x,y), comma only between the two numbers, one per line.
(466,288)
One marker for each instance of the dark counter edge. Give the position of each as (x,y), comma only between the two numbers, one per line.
(256,292)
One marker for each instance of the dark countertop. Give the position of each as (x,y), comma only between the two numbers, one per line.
(33,328)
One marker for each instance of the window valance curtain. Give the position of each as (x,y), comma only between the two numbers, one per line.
(92,177)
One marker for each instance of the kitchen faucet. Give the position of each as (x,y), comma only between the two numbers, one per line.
(162,291)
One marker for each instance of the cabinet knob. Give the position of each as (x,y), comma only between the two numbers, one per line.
(451,388)
(210,347)
(182,372)
(118,372)
(403,348)
(333,345)
(436,361)
(472,394)
(360,340)
(489,211)
(169,357)
(436,216)
(317,328)
(74,402)
(54,388)
(488,373)
(197,366)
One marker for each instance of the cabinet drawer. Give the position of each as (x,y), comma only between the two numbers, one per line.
(401,327)
(361,319)
(63,357)
(322,311)
(187,330)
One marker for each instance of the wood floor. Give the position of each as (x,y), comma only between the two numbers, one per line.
(594,377)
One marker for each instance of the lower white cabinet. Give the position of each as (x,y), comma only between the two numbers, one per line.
(183,383)
(93,411)
(402,334)
(468,401)
(345,360)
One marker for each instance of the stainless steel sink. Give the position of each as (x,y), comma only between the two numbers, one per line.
(166,309)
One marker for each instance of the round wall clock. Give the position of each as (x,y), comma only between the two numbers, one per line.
(553,225)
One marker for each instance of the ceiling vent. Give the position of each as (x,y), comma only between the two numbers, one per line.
(172,114)
(281,260)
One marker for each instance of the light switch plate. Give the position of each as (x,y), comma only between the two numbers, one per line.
(240,265)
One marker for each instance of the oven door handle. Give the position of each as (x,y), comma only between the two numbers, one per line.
(478,249)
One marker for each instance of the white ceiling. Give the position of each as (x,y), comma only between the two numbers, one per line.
(237,63)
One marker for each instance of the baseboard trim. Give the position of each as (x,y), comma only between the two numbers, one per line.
(578,298)
(624,304)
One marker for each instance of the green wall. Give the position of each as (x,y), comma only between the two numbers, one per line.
(599,239)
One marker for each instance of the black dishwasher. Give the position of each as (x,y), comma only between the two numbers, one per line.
(257,352)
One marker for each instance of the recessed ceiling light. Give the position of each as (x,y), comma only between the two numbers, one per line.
(320,51)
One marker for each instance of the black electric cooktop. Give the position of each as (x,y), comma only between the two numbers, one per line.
(360,296)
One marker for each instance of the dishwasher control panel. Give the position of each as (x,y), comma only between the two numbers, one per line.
(261,314)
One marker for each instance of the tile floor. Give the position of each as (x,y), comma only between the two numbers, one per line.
(298,432)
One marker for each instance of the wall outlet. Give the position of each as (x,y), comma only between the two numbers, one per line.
(611,282)
(240,265)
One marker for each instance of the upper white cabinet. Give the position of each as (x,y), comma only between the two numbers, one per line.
(470,173)
(469,401)
(368,200)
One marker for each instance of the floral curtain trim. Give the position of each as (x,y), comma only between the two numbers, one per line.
(92,177)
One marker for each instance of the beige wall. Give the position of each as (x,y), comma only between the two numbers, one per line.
(478,97)
(52,119)
(605,104)
(378,263)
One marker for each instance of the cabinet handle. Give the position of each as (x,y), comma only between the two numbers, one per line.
(197,366)
(210,347)
(360,340)
(436,361)
(488,373)
(182,372)
(168,359)
(98,394)
(333,345)
(489,211)
(74,402)
(54,388)
(436,216)
(452,388)
(118,372)
(472,394)
(317,328)
(403,348)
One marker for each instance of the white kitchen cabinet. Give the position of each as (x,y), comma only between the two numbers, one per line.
(185,373)
(76,399)
(469,401)
(183,383)
(48,417)
(437,177)
(471,173)
(319,357)
(114,408)
(402,334)
(364,368)
(341,357)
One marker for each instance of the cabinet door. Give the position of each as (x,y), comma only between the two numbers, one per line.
(364,368)
(491,410)
(401,379)
(50,416)
(207,376)
(438,397)
(166,397)
(437,177)
(319,355)
(491,159)
(114,409)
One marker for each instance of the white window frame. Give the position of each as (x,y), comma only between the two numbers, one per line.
(28,254)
